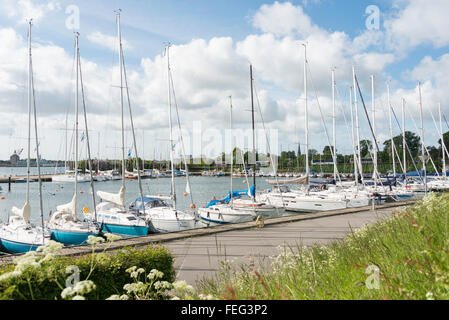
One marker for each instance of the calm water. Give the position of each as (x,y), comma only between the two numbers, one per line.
(54,194)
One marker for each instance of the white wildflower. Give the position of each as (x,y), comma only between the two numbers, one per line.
(78,298)
(155,274)
(162,285)
(180,285)
(130,270)
(92,240)
(84,287)
(110,237)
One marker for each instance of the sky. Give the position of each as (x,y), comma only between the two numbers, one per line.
(399,42)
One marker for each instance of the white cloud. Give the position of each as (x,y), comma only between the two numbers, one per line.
(106,41)
(23,10)
(283,19)
(418,22)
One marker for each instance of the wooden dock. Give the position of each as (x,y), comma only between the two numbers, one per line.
(21,179)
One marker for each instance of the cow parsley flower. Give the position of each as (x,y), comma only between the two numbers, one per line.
(110,237)
(92,240)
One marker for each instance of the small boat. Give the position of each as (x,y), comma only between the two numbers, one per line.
(163,217)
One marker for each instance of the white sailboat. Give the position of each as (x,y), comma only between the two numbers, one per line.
(18,235)
(64,225)
(162,216)
(112,212)
(224,211)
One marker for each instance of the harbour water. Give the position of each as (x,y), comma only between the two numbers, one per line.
(203,190)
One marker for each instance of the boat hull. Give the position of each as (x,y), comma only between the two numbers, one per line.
(14,247)
(210,216)
(129,231)
(165,226)
(71,238)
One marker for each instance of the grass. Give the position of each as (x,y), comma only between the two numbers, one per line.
(404,258)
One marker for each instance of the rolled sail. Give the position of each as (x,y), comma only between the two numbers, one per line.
(25,212)
(300,180)
(69,207)
(116,198)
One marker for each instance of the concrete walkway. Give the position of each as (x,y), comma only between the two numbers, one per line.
(200,256)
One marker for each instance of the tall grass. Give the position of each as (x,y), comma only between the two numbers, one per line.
(405,257)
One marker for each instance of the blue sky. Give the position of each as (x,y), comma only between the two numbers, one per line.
(253,28)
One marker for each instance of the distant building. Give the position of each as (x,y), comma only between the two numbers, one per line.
(14,159)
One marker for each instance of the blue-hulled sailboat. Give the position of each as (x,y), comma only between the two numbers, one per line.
(113,215)
(18,235)
(64,225)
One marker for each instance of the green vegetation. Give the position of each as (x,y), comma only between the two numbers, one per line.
(43,275)
(408,254)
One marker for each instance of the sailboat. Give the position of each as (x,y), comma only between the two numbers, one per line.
(19,235)
(260,208)
(64,224)
(161,216)
(112,212)
(223,211)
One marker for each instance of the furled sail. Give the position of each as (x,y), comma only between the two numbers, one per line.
(300,180)
(25,212)
(69,207)
(116,198)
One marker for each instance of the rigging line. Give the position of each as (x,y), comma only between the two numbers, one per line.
(371,127)
(87,138)
(132,127)
(408,148)
(443,145)
(269,147)
(347,125)
(180,135)
(394,145)
(425,148)
(399,158)
(333,150)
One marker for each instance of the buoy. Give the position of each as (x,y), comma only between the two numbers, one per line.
(3,198)
(86,210)
(192,206)
(81,192)
(185,194)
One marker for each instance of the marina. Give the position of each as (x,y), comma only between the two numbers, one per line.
(216,150)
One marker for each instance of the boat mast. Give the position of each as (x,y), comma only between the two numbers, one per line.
(423,151)
(333,125)
(356,106)
(232,149)
(123,67)
(76,126)
(391,130)
(443,145)
(31,91)
(88,139)
(306,121)
(353,139)
(29,111)
(252,121)
(121,98)
(404,142)
(373,104)
(173,192)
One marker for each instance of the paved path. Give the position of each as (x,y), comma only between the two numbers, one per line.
(199,257)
